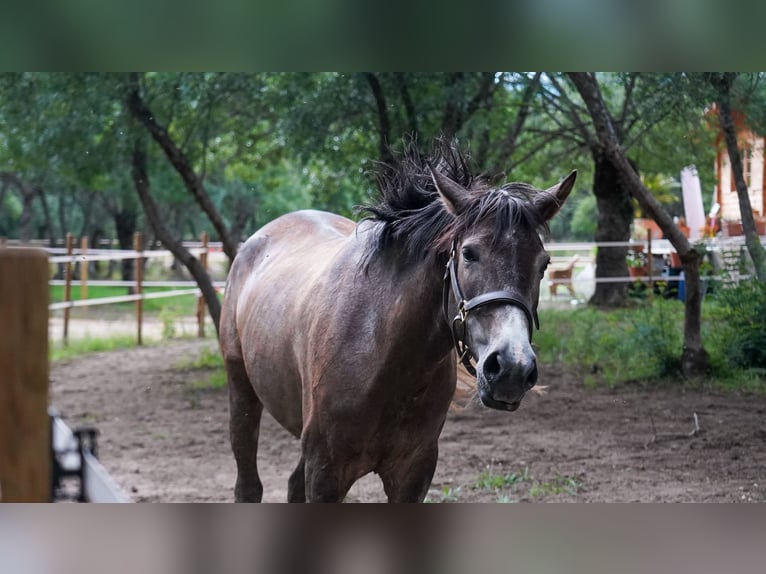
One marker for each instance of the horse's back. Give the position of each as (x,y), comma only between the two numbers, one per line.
(291,237)
(268,298)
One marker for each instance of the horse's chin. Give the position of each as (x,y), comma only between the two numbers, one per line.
(488,401)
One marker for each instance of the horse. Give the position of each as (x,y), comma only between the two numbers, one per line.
(349,334)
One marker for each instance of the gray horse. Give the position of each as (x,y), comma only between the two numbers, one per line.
(346,333)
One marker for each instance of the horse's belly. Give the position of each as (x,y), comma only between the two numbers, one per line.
(273,310)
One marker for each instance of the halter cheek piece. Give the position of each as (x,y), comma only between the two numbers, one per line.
(465,307)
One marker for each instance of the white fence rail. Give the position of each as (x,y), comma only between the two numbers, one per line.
(562,255)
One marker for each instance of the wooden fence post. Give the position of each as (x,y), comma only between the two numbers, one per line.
(139,273)
(67,286)
(25,467)
(200,300)
(84,270)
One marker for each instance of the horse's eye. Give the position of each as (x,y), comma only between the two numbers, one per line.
(469,255)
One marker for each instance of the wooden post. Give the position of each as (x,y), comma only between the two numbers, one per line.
(67,286)
(651,260)
(25,467)
(84,270)
(200,300)
(3,242)
(139,273)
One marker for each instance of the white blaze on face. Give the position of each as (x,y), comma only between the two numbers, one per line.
(515,335)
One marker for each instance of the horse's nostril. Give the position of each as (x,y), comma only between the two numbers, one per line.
(492,366)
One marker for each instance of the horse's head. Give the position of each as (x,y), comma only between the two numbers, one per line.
(496,264)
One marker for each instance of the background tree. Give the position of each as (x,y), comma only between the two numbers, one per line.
(694,359)
(723,84)
(660,129)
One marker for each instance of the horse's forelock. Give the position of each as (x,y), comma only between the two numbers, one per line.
(410,212)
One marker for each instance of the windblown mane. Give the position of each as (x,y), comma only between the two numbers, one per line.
(411,214)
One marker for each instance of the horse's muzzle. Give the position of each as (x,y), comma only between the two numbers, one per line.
(503,380)
(488,401)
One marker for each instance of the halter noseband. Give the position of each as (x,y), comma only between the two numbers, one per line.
(465,307)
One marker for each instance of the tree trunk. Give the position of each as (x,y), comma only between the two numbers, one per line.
(694,359)
(409,106)
(615,214)
(722,83)
(384,123)
(180,162)
(175,246)
(125,226)
(50,230)
(62,214)
(27,192)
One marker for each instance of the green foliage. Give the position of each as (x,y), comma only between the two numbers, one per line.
(739,336)
(584,219)
(168,319)
(640,343)
(644,343)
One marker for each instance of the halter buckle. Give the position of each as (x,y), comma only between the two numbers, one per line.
(462,312)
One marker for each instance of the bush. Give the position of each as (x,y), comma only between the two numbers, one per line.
(739,333)
(640,343)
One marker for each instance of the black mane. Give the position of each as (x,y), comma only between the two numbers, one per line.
(412,215)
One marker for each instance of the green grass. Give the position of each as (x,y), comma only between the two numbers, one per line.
(216,380)
(79,347)
(488,480)
(209,359)
(446,494)
(559,484)
(185,305)
(515,486)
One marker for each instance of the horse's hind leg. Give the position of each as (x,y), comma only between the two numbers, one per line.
(296,485)
(244,425)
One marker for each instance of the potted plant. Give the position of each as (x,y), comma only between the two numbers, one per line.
(636,262)
(731,228)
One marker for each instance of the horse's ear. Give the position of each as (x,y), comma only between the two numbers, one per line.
(453,195)
(550,201)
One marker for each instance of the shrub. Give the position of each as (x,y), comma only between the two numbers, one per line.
(639,343)
(739,333)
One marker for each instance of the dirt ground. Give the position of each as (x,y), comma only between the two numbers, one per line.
(164,437)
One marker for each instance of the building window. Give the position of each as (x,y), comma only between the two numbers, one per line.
(747,160)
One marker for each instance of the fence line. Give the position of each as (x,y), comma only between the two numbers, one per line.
(69,255)
(85,255)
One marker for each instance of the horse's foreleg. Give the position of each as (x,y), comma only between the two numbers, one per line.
(244,425)
(409,482)
(296,485)
(324,477)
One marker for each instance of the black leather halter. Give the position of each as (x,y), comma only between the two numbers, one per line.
(465,307)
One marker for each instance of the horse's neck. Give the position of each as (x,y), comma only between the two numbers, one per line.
(412,291)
